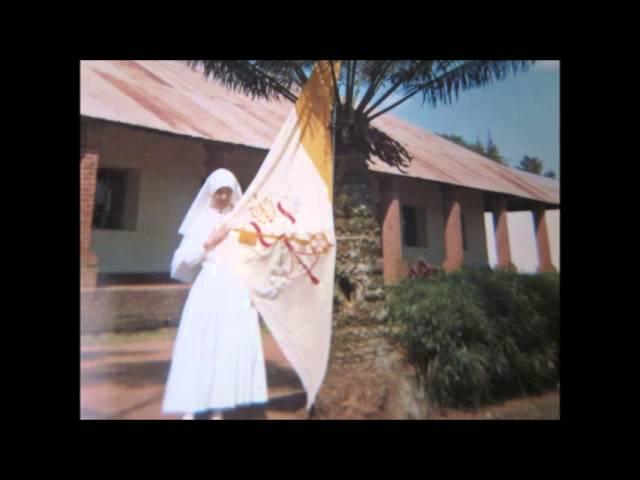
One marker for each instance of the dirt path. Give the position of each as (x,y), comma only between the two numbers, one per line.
(539,407)
(123,378)
(126,379)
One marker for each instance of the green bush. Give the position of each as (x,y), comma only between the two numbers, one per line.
(477,336)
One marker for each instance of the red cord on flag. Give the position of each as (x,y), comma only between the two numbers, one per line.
(285,213)
(313,278)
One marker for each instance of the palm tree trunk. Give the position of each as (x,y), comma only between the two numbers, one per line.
(366,375)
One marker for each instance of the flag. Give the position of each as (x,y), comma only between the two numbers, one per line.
(282,242)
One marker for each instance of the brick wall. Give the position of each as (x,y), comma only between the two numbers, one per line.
(395,268)
(454,251)
(503,247)
(542,241)
(89,159)
(130,308)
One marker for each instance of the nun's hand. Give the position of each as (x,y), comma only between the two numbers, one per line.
(216,236)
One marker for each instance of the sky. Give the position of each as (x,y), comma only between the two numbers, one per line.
(522,113)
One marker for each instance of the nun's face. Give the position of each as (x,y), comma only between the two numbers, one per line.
(221,198)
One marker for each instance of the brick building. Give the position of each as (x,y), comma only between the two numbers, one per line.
(151,131)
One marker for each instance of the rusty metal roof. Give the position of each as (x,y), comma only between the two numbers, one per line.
(169,96)
(438,159)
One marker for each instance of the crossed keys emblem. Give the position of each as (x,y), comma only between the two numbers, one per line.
(294,257)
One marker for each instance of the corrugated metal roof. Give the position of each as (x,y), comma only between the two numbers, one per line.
(435,158)
(169,96)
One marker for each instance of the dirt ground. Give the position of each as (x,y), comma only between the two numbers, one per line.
(539,407)
(123,378)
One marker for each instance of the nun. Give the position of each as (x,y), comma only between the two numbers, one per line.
(218,361)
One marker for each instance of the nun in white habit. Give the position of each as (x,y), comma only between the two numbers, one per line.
(218,361)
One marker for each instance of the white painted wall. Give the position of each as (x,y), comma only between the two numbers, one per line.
(171,171)
(524,252)
(427,196)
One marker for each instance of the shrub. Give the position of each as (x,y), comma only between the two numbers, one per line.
(477,336)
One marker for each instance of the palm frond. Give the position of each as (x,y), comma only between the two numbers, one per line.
(439,80)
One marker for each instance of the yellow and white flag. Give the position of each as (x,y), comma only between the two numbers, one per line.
(282,243)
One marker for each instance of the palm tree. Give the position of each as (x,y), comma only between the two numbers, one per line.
(436,80)
(365,90)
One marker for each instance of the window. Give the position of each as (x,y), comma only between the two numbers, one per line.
(116,200)
(414,227)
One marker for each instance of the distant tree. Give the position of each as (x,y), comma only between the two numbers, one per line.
(492,151)
(531,165)
(478,147)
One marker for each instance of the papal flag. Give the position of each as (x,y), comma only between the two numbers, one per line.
(282,243)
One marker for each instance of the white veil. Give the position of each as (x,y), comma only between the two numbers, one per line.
(185,261)
(218,179)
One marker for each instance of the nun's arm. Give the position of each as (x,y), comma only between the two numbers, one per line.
(186,259)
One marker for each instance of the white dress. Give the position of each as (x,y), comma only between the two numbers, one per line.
(218,360)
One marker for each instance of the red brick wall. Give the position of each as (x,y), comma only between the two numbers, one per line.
(503,248)
(88,172)
(131,308)
(542,241)
(91,133)
(395,268)
(454,249)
